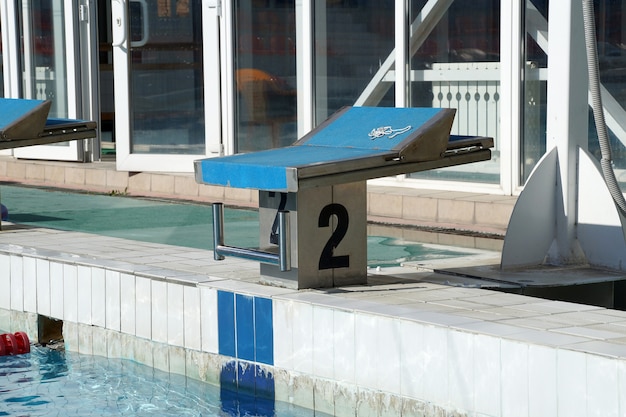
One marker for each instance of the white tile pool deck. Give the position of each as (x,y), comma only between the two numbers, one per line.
(399,346)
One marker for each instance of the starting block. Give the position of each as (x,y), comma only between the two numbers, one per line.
(25,123)
(313,194)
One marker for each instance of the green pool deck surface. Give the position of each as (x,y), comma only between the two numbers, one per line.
(175,222)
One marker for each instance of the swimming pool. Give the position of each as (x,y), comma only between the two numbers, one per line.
(48,382)
(177,223)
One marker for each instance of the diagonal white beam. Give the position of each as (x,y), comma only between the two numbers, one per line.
(422,26)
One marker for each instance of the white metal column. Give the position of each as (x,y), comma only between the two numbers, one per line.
(227,76)
(305,41)
(211,22)
(401,52)
(566,124)
(511,29)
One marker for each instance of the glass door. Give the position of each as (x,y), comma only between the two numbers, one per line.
(166,80)
(51,32)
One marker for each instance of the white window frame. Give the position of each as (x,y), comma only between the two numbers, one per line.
(511,51)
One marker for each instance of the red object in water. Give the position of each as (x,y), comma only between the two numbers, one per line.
(23,343)
(10,342)
(14,344)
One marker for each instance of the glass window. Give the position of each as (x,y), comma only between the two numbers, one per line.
(457,65)
(535,85)
(353,40)
(105,57)
(167,93)
(611,37)
(1,66)
(265,74)
(43,60)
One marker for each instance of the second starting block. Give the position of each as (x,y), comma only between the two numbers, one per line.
(313,194)
(25,122)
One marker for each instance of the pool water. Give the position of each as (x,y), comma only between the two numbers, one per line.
(48,382)
(389,252)
(174,223)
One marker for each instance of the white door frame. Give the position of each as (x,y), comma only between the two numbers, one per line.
(127,161)
(78,29)
(10,52)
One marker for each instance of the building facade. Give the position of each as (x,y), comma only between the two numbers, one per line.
(171,81)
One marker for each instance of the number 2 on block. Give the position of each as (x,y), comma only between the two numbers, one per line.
(327,259)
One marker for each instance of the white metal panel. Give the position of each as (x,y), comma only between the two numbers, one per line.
(304,65)
(532,227)
(567,114)
(401,53)
(66,38)
(90,70)
(28,53)
(227,81)
(600,226)
(211,15)
(121,84)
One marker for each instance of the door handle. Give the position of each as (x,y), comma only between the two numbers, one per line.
(118,18)
(145,24)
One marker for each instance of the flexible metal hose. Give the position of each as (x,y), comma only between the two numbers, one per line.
(606,162)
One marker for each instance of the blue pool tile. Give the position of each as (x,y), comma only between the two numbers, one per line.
(264,383)
(246,390)
(228,389)
(245,327)
(264,334)
(228,375)
(246,377)
(226,323)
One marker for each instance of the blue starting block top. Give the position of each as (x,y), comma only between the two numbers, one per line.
(356,143)
(25,122)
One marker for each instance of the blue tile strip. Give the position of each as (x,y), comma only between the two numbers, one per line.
(226,323)
(264,384)
(245,331)
(263,330)
(244,323)
(245,327)
(246,378)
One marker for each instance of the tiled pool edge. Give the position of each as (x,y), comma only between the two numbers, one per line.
(290,387)
(332,360)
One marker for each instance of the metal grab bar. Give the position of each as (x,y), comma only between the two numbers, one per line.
(282,258)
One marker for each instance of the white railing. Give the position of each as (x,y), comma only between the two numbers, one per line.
(473,89)
(44,83)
